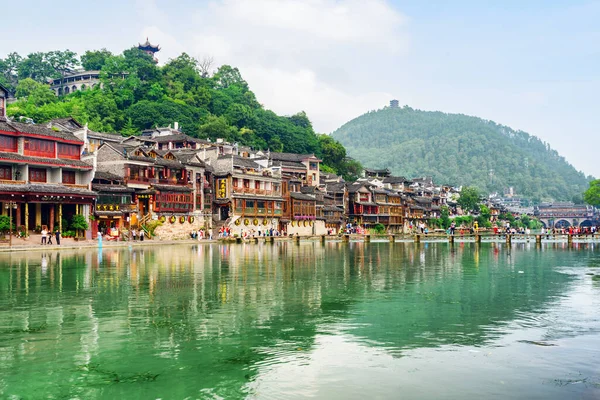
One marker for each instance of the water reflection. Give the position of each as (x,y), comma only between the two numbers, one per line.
(206,320)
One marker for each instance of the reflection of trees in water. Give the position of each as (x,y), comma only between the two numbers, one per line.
(225,310)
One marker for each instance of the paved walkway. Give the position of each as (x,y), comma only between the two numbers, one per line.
(33,242)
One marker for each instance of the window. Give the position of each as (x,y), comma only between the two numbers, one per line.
(314,166)
(37,175)
(68,177)
(39,147)
(256,184)
(68,151)
(249,203)
(8,143)
(235,182)
(5,172)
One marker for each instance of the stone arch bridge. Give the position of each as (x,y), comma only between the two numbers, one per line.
(565,215)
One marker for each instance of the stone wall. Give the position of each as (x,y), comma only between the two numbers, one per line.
(252,228)
(302,229)
(177,230)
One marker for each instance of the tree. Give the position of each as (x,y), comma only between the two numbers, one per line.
(9,70)
(94,60)
(36,93)
(445,217)
(62,62)
(592,194)
(205,66)
(36,67)
(469,199)
(79,223)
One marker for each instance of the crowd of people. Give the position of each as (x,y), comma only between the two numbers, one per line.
(225,232)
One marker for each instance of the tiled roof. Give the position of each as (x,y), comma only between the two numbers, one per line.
(173,188)
(44,161)
(301,196)
(106,136)
(290,157)
(107,176)
(394,179)
(167,163)
(112,188)
(291,164)
(30,188)
(37,130)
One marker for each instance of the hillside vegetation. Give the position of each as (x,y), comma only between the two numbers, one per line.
(138,94)
(461,150)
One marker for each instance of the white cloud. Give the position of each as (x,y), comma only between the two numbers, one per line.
(296,55)
(292,91)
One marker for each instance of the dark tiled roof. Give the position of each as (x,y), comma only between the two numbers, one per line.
(31,188)
(394,179)
(422,200)
(37,130)
(106,136)
(335,187)
(301,196)
(355,187)
(173,188)
(242,162)
(168,163)
(44,161)
(68,123)
(290,156)
(308,189)
(290,164)
(111,188)
(107,176)
(178,137)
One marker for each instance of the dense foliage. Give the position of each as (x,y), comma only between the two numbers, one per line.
(592,194)
(460,150)
(138,94)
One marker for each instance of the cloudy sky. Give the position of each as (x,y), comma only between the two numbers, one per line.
(531,64)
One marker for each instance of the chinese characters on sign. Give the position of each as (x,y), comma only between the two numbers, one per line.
(221,188)
(107,207)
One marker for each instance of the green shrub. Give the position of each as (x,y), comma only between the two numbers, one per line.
(152,225)
(4,223)
(79,223)
(379,229)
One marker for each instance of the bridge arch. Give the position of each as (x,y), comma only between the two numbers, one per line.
(562,223)
(586,223)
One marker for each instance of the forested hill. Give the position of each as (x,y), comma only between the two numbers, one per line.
(460,150)
(138,94)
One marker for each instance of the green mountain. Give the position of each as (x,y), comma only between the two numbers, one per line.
(136,94)
(460,150)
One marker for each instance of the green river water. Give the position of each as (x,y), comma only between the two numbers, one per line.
(289,321)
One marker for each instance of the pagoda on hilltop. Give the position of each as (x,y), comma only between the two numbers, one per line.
(149,49)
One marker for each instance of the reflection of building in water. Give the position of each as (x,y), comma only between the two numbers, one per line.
(173,302)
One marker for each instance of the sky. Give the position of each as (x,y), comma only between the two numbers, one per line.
(532,65)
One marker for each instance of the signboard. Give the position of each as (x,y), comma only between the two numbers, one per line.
(107,207)
(221,188)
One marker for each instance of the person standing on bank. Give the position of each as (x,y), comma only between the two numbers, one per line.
(142,235)
(49,237)
(57,235)
(44,234)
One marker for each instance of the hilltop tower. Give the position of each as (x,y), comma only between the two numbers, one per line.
(149,49)
(394,104)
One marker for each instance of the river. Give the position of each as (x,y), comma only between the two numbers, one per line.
(309,320)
